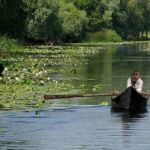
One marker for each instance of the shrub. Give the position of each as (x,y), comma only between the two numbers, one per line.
(9,44)
(106,35)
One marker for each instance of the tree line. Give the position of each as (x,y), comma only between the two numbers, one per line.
(70,20)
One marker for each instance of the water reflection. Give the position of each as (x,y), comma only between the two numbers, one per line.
(116,63)
(12,144)
(132,126)
(129,118)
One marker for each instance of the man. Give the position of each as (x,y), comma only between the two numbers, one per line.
(1,69)
(135,81)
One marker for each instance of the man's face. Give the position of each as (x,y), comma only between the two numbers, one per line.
(135,77)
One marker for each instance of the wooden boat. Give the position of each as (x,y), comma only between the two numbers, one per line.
(129,100)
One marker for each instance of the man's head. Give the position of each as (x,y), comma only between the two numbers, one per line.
(135,75)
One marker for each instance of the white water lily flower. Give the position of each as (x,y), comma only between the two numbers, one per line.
(0,78)
(94,89)
(48,78)
(39,73)
(17,79)
(41,82)
(55,81)
(5,69)
(24,70)
(8,78)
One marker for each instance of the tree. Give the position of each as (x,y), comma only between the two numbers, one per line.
(109,6)
(12,18)
(42,21)
(135,18)
(99,12)
(120,19)
(145,7)
(128,20)
(72,20)
(94,13)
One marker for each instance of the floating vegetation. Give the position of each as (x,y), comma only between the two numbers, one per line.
(34,71)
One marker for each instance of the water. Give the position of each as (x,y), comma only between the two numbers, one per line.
(74,128)
(117,63)
(82,123)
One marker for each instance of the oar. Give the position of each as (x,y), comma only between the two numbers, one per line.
(48,96)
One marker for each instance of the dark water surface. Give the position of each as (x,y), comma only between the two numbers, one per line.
(74,128)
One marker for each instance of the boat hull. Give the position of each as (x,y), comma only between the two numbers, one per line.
(129,100)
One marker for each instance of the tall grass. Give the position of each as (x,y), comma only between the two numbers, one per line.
(103,36)
(9,44)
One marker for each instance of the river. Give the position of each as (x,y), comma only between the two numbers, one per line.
(84,123)
(74,128)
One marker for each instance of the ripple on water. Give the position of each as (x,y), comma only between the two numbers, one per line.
(88,127)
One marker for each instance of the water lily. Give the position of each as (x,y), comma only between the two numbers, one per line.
(41,82)
(5,69)
(48,78)
(30,72)
(17,79)
(39,74)
(9,78)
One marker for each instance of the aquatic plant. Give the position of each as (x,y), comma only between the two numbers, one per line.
(34,71)
(9,44)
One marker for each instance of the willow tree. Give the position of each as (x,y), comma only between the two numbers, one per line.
(128,20)
(42,21)
(99,12)
(73,21)
(145,7)
(135,18)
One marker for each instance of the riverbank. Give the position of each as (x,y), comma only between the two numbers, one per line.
(7,44)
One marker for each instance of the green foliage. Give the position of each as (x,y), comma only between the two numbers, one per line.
(9,44)
(109,6)
(132,18)
(99,12)
(43,21)
(94,12)
(135,18)
(145,7)
(120,23)
(12,18)
(69,20)
(37,71)
(103,36)
(112,36)
(73,21)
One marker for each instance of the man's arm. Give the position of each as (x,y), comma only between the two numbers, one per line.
(129,83)
(139,86)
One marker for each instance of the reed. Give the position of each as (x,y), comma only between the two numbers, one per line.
(7,43)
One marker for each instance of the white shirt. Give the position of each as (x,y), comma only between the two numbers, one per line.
(138,85)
